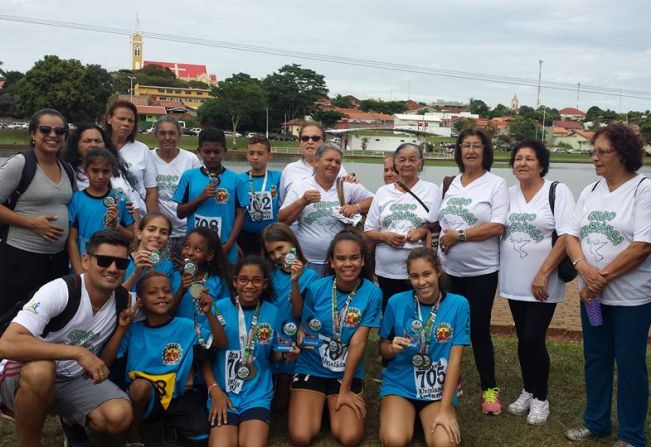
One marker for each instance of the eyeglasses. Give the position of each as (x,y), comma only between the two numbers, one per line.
(476,146)
(306,138)
(244,280)
(47,130)
(105,261)
(600,152)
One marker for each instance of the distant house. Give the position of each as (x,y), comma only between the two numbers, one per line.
(188,72)
(569,125)
(572,114)
(580,140)
(190,97)
(428,123)
(294,126)
(413,105)
(148,115)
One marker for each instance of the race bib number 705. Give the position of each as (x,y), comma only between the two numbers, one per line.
(429,381)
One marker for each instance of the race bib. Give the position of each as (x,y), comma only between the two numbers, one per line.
(261,207)
(335,363)
(213,223)
(429,381)
(232,360)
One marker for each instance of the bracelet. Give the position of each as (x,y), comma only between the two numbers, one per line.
(211,386)
(574,263)
(283,355)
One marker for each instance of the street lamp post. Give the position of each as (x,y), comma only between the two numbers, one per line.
(131,78)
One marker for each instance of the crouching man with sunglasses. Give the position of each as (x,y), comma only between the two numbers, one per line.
(59,371)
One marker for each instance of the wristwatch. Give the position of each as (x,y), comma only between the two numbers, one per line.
(462,236)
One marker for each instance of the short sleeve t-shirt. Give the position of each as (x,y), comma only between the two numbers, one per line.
(451,328)
(297,171)
(364,310)
(398,212)
(187,306)
(258,391)
(216,213)
(161,354)
(265,208)
(607,222)
(316,223)
(527,241)
(86,214)
(485,200)
(168,176)
(84,329)
(140,164)
(165,266)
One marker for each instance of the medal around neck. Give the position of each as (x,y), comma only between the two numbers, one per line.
(311,338)
(417,360)
(109,201)
(335,347)
(256,216)
(196,289)
(290,258)
(245,371)
(190,267)
(154,257)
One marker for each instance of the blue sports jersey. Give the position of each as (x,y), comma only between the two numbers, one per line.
(451,328)
(257,391)
(162,355)
(282,285)
(165,266)
(364,310)
(216,213)
(86,214)
(217,290)
(268,200)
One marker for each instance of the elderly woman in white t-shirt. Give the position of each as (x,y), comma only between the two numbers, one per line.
(472,217)
(122,127)
(528,275)
(314,204)
(397,218)
(610,245)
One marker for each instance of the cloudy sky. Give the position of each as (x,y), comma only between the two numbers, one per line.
(595,42)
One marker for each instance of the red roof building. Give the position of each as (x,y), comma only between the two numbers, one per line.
(569,125)
(570,113)
(187,72)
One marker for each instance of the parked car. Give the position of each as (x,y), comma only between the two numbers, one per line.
(194,131)
(251,135)
(17,126)
(228,133)
(285,137)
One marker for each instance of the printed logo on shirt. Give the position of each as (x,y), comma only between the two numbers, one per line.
(264,333)
(32,307)
(520,232)
(598,233)
(353,317)
(401,212)
(167,182)
(456,214)
(172,353)
(274,191)
(221,195)
(324,209)
(443,333)
(82,338)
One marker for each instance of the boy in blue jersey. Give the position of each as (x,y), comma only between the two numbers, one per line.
(207,196)
(160,353)
(259,193)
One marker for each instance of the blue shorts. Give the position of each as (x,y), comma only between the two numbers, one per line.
(252,414)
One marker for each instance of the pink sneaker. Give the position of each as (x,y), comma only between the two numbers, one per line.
(491,401)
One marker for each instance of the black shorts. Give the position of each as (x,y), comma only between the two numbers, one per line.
(252,414)
(323,385)
(420,405)
(186,413)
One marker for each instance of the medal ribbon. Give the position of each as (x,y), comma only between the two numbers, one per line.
(195,315)
(336,318)
(264,182)
(247,341)
(426,331)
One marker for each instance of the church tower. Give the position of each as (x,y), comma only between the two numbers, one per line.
(136,47)
(515,103)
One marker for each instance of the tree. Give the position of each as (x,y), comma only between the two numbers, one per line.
(522,129)
(158,75)
(79,92)
(213,114)
(500,110)
(327,117)
(463,123)
(292,91)
(342,101)
(198,84)
(240,98)
(479,107)
(645,130)
(527,112)
(388,107)
(8,97)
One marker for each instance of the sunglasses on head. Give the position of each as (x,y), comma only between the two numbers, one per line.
(47,130)
(306,138)
(105,261)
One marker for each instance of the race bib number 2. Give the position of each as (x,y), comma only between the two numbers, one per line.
(231,362)
(213,223)
(261,206)
(429,381)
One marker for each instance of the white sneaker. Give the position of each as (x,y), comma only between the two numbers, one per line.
(521,405)
(539,412)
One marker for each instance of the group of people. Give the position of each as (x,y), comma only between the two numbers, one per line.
(169,286)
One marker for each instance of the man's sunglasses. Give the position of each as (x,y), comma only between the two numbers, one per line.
(306,138)
(105,261)
(47,130)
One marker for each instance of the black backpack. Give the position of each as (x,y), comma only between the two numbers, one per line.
(74,298)
(26,177)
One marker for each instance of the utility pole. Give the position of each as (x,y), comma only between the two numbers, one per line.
(131,78)
(578,92)
(267,132)
(540,62)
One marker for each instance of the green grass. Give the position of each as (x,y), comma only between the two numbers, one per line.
(566,398)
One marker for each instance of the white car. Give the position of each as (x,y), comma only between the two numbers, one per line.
(228,133)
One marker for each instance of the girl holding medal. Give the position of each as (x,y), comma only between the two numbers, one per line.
(423,334)
(97,207)
(338,314)
(240,397)
(151,236)
(290,278)
(205,270)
